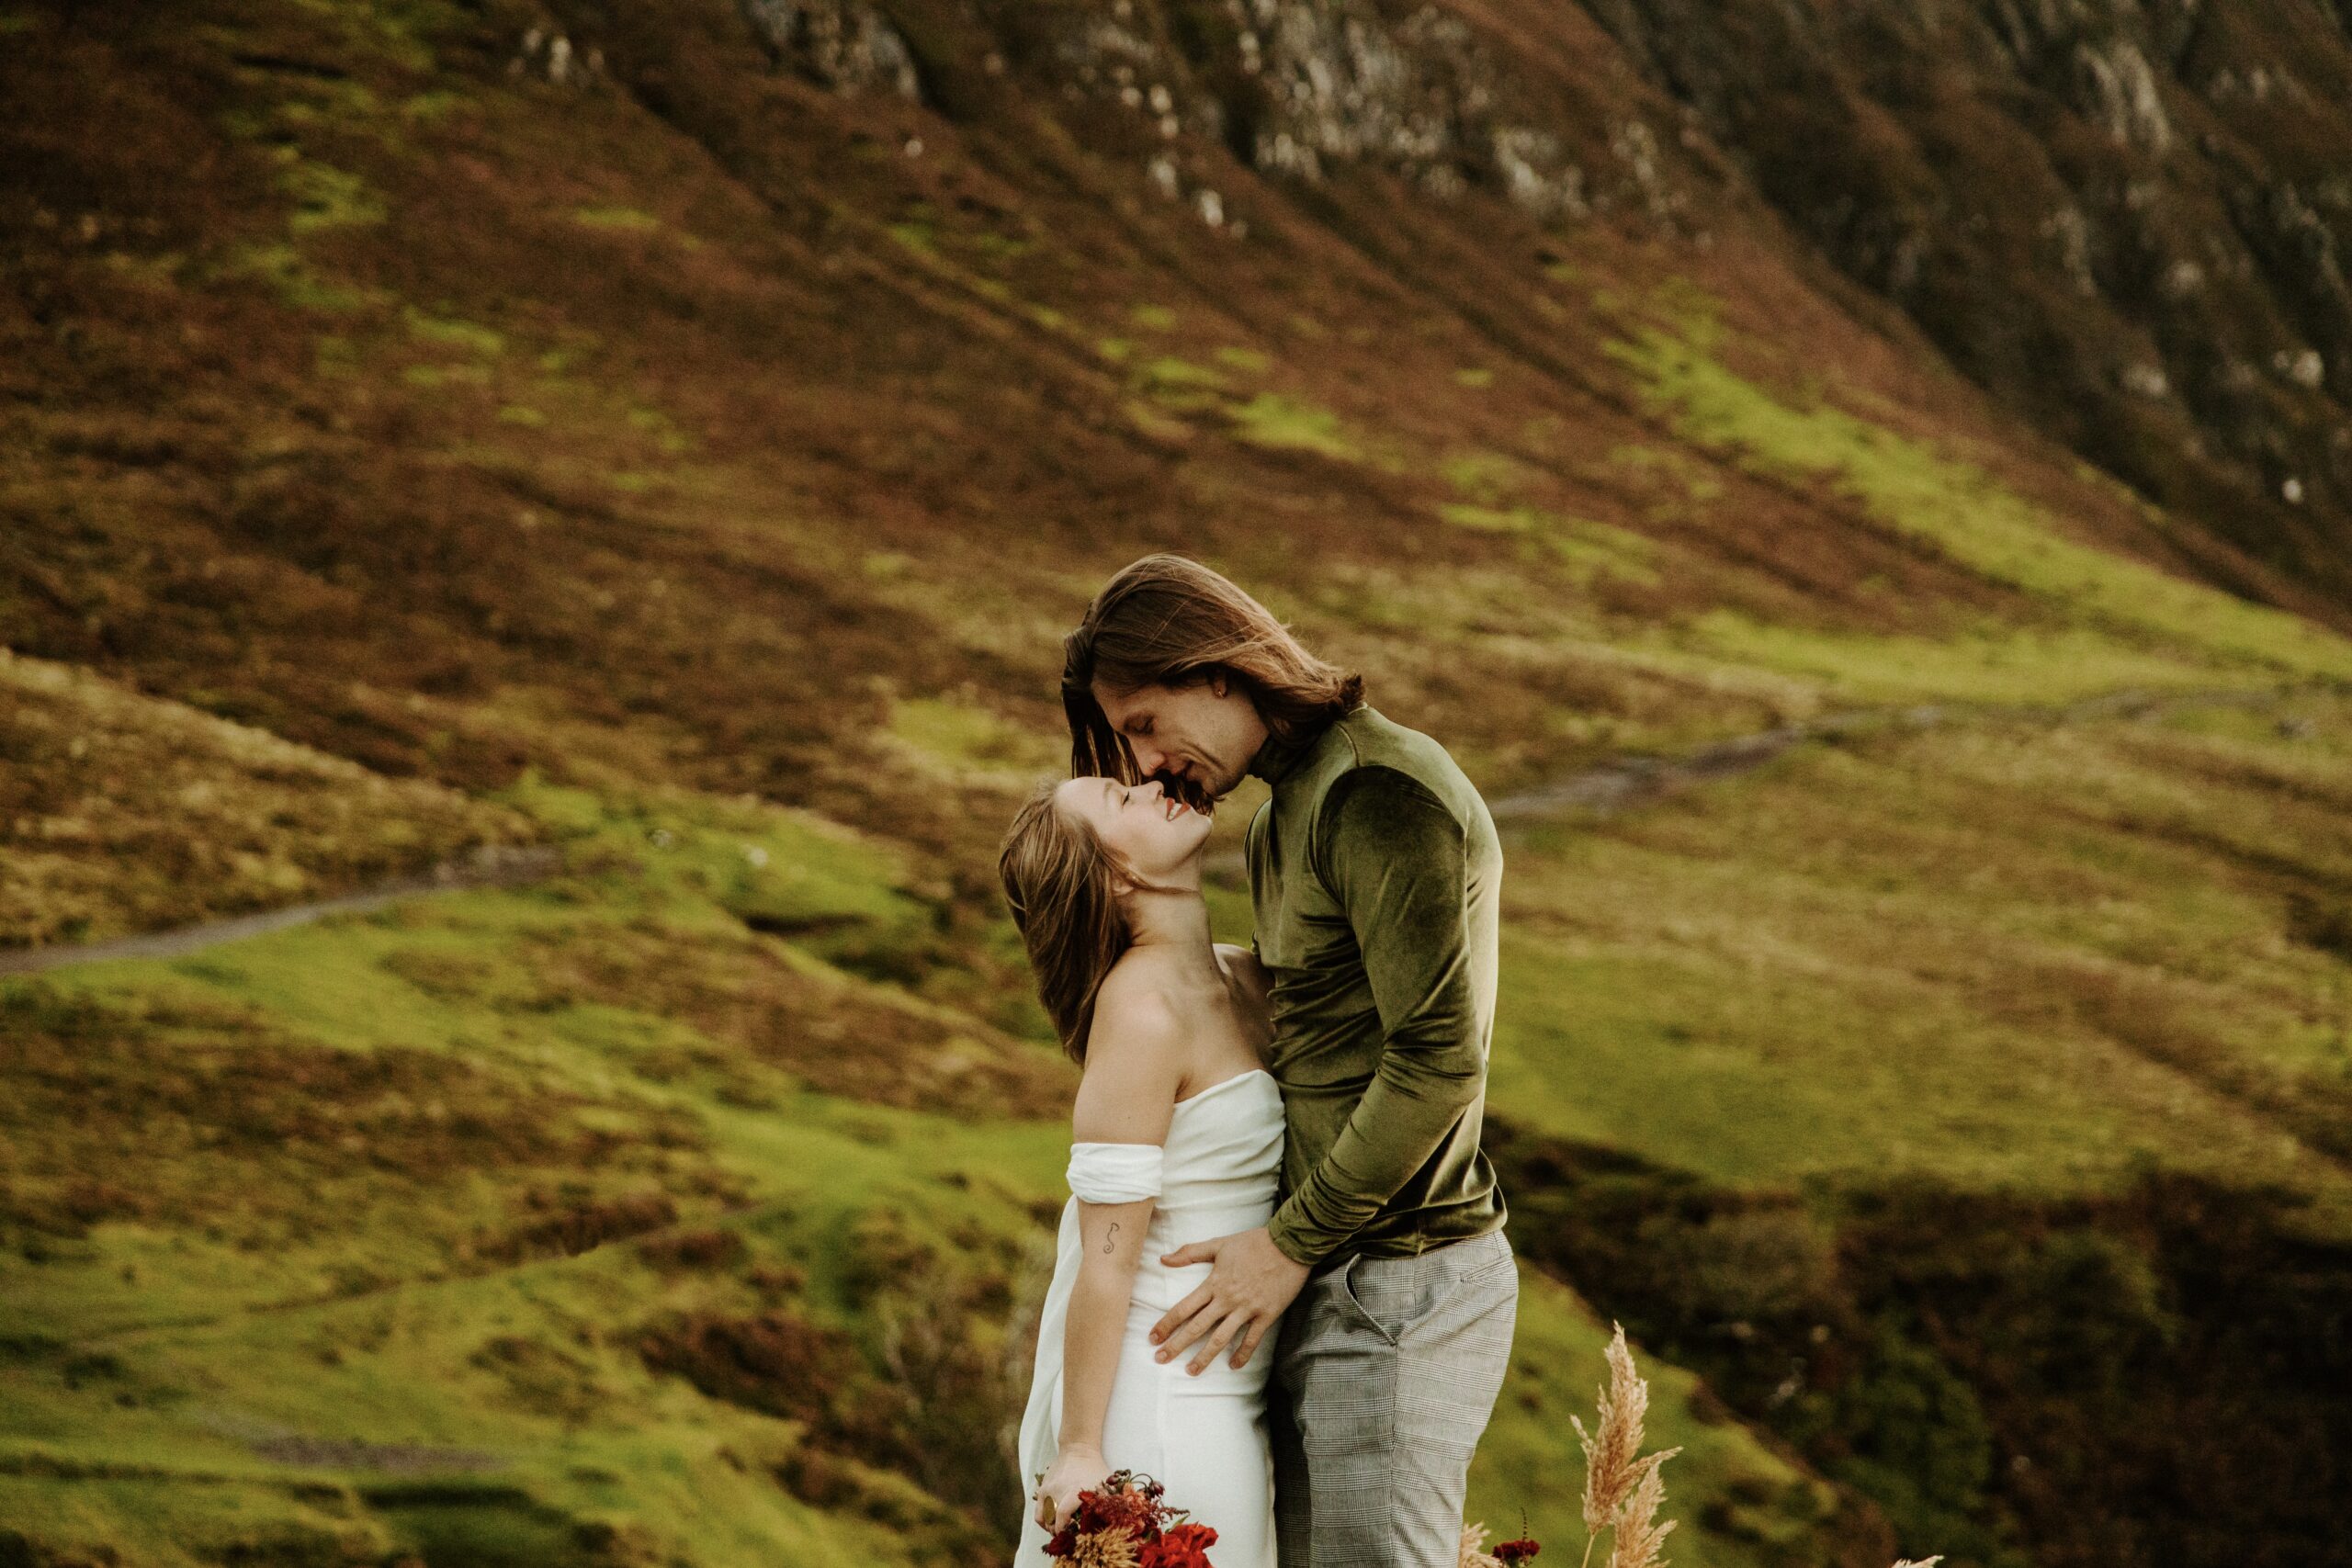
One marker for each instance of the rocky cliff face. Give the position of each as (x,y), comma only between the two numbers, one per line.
(2126,218)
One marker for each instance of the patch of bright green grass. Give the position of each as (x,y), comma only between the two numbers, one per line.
(1179,384)
(626,217)
(1168,371)
(2018,958)
(325,196)
(1993,664)
(469,335)
(969,742)
(1967,513)
(1477,378)
(1486,477)
(1153,318)
(1248,361)
(1587,549)
(438,104)
(1269,419)
(296,281)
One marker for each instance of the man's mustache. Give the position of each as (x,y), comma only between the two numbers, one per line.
(1186,790)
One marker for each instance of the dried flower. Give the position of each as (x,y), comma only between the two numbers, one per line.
(1124,1524)
(1610,1471)
(1111,1549)
(1638,1533)
(1474,1553)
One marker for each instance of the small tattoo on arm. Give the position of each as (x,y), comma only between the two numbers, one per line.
(1108,1234)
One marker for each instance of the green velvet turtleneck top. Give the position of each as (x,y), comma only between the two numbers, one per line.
(1375,873)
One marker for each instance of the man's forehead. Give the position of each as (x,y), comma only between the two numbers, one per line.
(1118,707)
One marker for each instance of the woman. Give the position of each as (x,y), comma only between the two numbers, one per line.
(1178,1137)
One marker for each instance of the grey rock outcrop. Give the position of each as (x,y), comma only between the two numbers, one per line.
(2119,215)
(847,45)
(1301,89)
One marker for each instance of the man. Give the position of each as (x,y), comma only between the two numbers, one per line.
(1374,874)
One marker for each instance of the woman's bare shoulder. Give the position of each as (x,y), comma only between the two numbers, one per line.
(1136,1060)
(1134,1013)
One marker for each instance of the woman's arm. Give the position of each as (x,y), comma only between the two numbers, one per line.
(1111,1237)
(1133,1068)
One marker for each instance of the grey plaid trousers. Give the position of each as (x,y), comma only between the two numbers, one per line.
(1385,1371)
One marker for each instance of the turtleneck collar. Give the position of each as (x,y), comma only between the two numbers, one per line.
(1281,755)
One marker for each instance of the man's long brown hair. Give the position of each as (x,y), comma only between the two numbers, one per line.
(1168,621)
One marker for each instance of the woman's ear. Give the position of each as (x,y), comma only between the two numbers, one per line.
(1216,683)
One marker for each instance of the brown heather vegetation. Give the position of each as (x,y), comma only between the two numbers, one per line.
(690,459)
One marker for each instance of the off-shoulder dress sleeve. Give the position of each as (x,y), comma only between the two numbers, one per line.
(1114,1173)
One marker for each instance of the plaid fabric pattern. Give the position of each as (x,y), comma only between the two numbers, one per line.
(1386,1371)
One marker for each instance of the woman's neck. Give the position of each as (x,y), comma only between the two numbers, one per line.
(1172,922)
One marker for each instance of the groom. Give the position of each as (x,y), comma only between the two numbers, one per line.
(1374,874)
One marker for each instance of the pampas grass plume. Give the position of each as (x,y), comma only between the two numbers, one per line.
(1639,1535)
(1614,1465)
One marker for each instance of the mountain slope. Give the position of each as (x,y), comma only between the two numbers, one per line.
(681,436)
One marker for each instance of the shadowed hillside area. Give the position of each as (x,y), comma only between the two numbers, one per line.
(1865,489)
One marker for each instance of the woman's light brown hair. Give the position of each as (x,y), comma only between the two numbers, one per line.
(1166,620)
(1059,878)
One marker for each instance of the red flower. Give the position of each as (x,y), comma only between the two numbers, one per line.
(1184,1546)
(1128,1508)
(1511,1553)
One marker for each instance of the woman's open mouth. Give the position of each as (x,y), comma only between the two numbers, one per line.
(1182,794)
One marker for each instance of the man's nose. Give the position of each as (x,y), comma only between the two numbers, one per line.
(1148,759)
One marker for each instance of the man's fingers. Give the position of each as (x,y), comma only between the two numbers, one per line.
(1248,1345)
(1190,1252)
(1178,1313)
(1216,1347)
(1184,1333)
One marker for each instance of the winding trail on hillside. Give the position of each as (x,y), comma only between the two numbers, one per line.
(1636,780)
(490,866)
(1620,783)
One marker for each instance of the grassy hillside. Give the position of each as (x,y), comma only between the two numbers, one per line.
(686,457)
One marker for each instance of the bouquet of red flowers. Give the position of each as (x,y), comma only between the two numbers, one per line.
(1123,1524)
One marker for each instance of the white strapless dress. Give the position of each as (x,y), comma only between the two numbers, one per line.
(1203,1438)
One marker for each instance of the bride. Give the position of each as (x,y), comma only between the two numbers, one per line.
(1178,1137)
